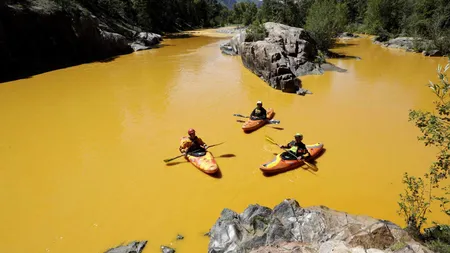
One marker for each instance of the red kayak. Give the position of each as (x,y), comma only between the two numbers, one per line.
(279,164)
(252,125)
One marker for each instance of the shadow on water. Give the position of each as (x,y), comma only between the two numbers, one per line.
(177,36)
(226,156)
(175,163)
(334,55)
(331,67)
(159,46)
(109,59)
(15,71)
(217,175)
(341,45)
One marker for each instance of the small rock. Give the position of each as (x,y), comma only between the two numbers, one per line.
(303,92)
(180,237)
(207,234)
(435,53)
(165,249)
(137,46)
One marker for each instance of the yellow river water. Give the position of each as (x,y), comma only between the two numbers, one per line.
(82,148)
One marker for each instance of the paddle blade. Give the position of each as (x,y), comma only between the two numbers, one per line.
(271,140)
(240,115)
(171,159)
(311,166)
(277,128)
(274,121)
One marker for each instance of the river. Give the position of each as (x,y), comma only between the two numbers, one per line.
(82,148)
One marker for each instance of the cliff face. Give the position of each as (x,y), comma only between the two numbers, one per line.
(39,36)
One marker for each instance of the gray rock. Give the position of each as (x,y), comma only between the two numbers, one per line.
(231,30)
(148,39)
(410,44)
(136,46)
(286,53)
(165,249)
(291,228)
(432,53)
(133,247)
(269,62)
(180,237)
(401,42)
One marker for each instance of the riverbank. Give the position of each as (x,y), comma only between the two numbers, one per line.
(288,227)
(40,36)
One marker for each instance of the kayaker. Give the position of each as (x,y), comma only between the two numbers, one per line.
(192,143)
(259,112)
(297,147)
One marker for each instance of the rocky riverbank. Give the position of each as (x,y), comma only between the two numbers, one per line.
(410,44)
(39,36)
(290,228)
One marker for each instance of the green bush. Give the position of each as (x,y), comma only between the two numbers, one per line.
(255,32)
(438,246)
(325,20)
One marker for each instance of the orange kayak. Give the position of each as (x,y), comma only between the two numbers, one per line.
(203,161)
(279,164)
(252,125)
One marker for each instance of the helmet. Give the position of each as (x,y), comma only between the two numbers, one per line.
(298,135)
(191,131)
(259,103)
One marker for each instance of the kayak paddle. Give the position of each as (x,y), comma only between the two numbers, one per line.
(273,142)
(272,121)
(176,157)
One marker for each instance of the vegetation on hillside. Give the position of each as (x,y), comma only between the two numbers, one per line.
(426,19)
(159,15)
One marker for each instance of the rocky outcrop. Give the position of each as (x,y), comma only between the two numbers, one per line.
(133,247)
(291,228)
(286,53)
(410,44)
(38,36)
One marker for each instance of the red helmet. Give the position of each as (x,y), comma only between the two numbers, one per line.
(191,131)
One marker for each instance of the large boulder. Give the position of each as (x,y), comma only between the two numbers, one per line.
(269,62)
(286,53)
(291,228)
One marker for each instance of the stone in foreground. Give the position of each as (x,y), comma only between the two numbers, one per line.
(133,247)
(291,228)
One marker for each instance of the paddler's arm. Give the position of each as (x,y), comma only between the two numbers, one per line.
(202,143)
(252,115)
(285,146)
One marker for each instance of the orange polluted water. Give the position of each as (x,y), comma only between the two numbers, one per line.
(82,148)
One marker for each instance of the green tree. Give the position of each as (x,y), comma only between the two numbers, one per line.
(435,127)
(385,16)
(326,18)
